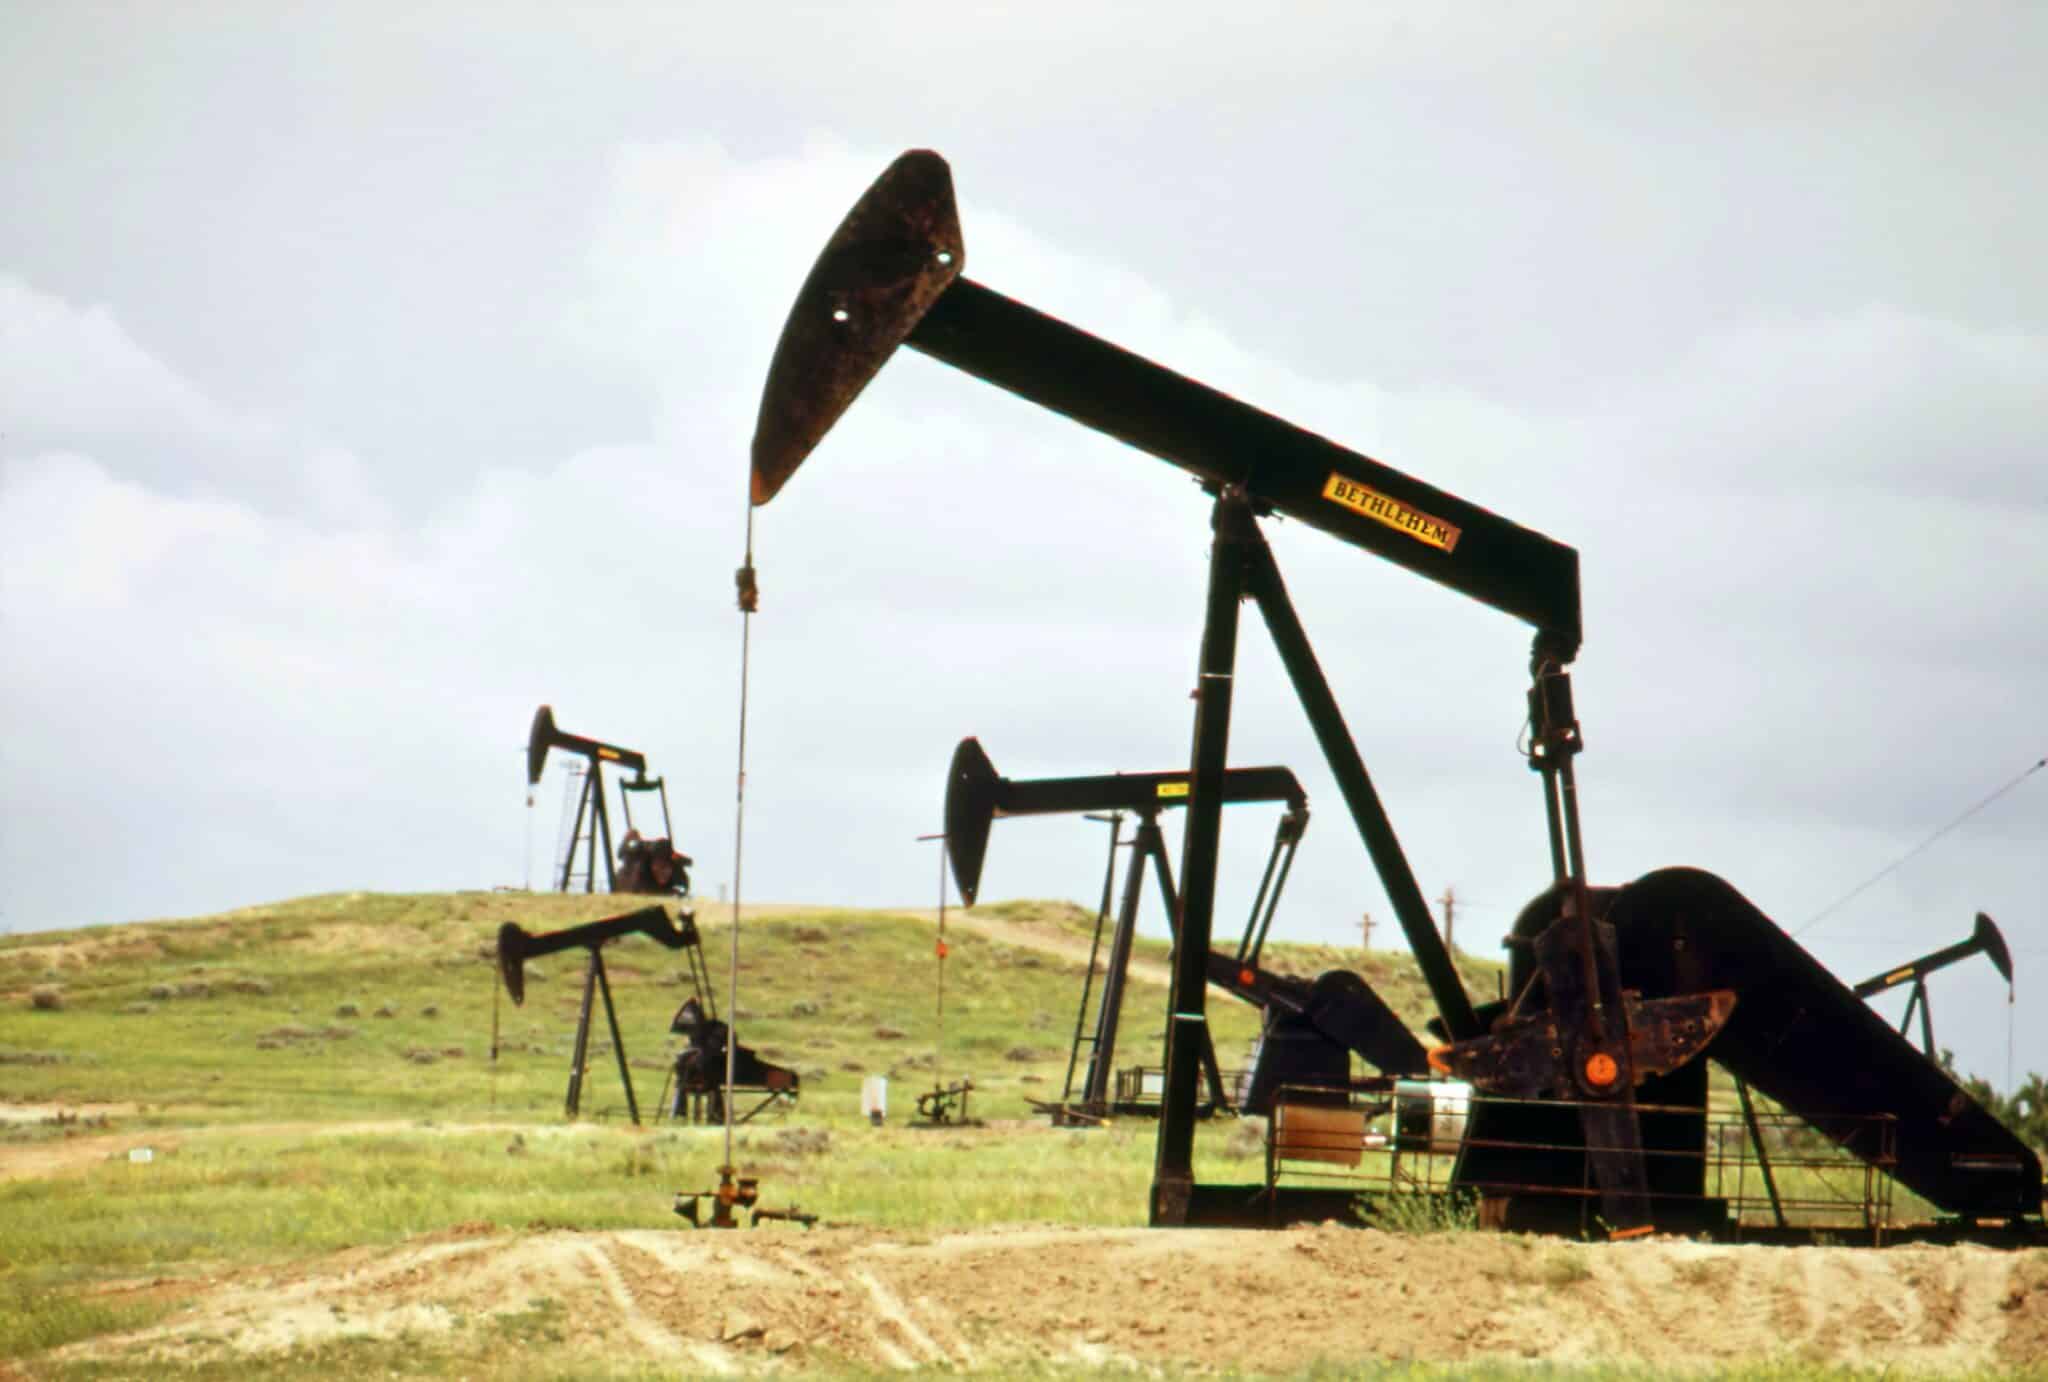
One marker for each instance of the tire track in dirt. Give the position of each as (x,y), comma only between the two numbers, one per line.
(647,1331)
(1029,1297)
(925,1349)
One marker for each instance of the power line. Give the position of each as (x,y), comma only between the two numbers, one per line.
(1860,888)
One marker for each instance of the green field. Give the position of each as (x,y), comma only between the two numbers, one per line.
(318,1075)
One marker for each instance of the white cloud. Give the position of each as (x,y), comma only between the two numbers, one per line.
(1809,633)
(72,378)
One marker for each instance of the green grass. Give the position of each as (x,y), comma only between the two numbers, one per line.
(239,1016)
(227,1033)
(266,1020)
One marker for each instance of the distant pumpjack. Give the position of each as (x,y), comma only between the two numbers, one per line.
(516,946)
(644,865)
(1985,940)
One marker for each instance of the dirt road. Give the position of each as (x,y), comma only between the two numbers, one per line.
(80,1147)
(1048,940)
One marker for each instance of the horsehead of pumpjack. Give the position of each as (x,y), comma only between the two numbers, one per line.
(1613,987)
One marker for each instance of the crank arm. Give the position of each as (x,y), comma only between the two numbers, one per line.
(1532,1056)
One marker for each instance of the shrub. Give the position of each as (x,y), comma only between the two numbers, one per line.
(11,1056)
(2025,1114)
(1247,1139)
(46,997)
(1560,1267)
(802,1142)
(1421,1212)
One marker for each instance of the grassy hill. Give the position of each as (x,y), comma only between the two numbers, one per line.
(361,1005)
(189,1107)
(315,1075)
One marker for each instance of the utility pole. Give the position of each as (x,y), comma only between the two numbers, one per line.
(1365,932)
(1449,902)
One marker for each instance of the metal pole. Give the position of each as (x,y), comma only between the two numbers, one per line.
(1370,816)
(1115,820)
(582,1051)
(1101,1061)
(1763,1157)
(1251,926)
(611,1018)
(1553,820)
(1187,1020)
(1273,905)
(604,824)
(1163,870)
(575,832)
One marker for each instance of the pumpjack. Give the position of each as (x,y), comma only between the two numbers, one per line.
(700,1068)
(645,865)
(1310,1028)
(1985,940)
(516,946)
(1616,992)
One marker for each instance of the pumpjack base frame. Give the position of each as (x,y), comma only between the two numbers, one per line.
(701,1107)
(1076,1115)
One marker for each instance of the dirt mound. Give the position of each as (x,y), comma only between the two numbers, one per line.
(782,1298)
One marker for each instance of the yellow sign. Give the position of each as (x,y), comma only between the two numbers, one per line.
(1172,789)
(1383,508)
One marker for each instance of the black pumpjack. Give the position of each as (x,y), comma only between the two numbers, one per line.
(1620,984)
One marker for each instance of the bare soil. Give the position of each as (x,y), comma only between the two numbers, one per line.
(781,1299)
(78,1147)
(1045,940)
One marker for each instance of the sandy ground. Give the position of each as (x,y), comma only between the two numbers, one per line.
(782,1299)
(1064,944)
(84,1145)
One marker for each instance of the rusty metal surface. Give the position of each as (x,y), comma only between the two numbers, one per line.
(887,263)
(1830,1184)
(1517,1058)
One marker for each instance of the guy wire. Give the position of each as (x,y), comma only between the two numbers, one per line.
(739,828)
(1860,888)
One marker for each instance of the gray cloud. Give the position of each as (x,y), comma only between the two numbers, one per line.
(363,384)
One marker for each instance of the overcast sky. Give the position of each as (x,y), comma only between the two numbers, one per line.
(372,373)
